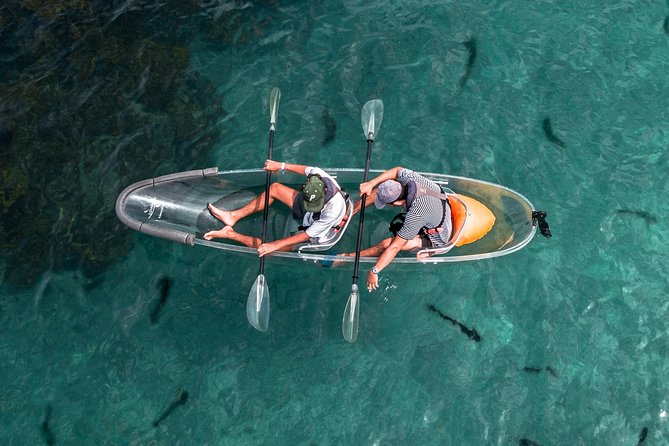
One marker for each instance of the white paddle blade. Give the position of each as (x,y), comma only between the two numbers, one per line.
(372,115)
(257,305)
(349,325)
(274,98)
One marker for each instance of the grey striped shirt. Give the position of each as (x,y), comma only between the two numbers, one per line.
(425,211)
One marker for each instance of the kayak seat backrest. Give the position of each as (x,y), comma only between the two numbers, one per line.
(459,215)
(335,237)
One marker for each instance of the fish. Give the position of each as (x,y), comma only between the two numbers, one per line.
(46,430)
(471,333)
(548,131)
(164,285)
(330,126)
(646,216)
(548,369)
(470,44)
(665,25)
(642,436)
(183,397)
(526,442)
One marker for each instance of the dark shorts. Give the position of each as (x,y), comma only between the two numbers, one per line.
(434,240)
(298,207)
(425,241)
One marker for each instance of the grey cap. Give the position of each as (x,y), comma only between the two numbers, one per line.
(387,192)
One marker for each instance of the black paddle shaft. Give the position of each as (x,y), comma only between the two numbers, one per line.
(265,213)
(362,215)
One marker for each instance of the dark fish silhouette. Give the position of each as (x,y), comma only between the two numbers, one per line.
(471,48)
(642,436)
(650,219)
(179,402)
(330,126)
(665,25)
(548,131)
(164,286)
(471,333)
(548,369)
(46,430)
(526,442)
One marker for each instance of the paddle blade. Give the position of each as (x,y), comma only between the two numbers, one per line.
(372,115)
(274,98)
(257,305)
(349,325)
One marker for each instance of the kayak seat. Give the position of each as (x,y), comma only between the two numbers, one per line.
(471,221)
(335,236)
(459,216)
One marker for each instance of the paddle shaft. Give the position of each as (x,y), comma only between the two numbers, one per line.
(363,204)
(268,180)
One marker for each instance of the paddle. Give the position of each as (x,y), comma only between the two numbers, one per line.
(257,305)
(372,115)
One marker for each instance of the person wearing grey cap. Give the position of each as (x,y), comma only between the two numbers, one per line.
(320,206)
(427,222)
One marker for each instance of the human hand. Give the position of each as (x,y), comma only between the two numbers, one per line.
(366,188)
(372,281)
(267,248)
(272,166)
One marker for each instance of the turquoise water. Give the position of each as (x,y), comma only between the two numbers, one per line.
(95,97)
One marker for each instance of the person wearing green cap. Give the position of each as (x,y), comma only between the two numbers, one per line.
(320,205)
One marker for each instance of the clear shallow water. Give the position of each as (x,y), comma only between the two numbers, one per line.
(590,303)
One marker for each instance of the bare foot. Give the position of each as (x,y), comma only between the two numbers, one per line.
(221,233)
(224,216)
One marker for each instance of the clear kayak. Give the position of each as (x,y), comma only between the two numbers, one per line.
(174,207)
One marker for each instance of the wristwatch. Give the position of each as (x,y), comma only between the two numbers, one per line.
(375,270)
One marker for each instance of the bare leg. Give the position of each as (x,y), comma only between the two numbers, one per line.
(277,191)
(229,233)
(377,250)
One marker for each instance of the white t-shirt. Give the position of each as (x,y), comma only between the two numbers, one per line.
(321,230)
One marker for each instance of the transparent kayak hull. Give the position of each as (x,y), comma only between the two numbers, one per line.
(174,207)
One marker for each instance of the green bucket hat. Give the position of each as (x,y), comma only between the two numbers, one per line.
(313,194)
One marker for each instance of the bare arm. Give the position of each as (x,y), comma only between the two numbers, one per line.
(283,244)
(384,260)
(390,174)
(370,200)
(273,166)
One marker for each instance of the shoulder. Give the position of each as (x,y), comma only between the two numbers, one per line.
(406,174)
(311,170)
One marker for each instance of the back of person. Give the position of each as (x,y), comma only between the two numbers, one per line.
(320,226)
(424,211)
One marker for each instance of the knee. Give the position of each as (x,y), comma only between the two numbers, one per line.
(385,243)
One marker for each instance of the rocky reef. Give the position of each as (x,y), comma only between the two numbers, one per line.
(92,98)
